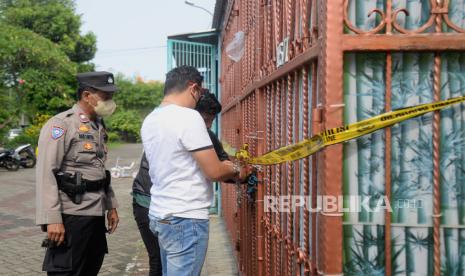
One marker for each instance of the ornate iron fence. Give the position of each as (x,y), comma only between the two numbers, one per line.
(343,61)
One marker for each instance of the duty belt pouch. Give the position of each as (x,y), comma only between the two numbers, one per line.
(59,258)
(80,188)
(72,186)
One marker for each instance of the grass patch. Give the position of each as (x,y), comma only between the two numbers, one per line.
(114,145)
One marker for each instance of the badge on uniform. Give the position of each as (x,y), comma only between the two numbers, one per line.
(83,117)
(83,128)
(88,146)
(57,132)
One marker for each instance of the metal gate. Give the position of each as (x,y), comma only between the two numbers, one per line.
(200,55)
(312,65)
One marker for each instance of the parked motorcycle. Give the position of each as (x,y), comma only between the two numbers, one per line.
(27,158)
(8,160)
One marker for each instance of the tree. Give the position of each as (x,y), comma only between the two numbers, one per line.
(5,113)
(53,19)
(41,50)
(34,72)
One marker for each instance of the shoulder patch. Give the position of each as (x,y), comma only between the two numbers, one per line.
(57,132)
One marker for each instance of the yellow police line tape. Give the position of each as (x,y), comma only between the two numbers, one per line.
(338,135)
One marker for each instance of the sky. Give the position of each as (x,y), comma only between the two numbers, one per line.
(132,35)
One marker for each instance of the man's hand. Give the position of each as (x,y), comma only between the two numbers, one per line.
(228,163)
(56,232)
(245,171)
(113,220)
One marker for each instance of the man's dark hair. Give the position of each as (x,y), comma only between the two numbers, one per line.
(178,79)
(81,89)
(208,104)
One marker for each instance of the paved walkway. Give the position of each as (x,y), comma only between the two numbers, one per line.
(20,239)
(220,259)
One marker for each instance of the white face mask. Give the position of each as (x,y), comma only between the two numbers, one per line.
(105,108)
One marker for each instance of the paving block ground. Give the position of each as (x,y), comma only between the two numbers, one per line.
(20,239)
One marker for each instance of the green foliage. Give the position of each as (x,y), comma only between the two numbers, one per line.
(4,4)
(56,20)
(35,72)
(5,111)
(20,140)
(41,50)
(30,134)
(84,49)
(135,99)
(126,123)
(138,95)
(37,124)
(113,137)
(86,67)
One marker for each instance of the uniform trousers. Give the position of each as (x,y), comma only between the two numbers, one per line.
(84,248)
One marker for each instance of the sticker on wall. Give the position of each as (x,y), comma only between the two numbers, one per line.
(235,48)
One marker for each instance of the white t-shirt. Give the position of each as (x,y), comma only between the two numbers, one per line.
(170,134)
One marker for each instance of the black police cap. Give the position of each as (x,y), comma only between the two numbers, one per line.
(103,81)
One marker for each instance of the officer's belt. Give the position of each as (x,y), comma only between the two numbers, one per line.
(68,186)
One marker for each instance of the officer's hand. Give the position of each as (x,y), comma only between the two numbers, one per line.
(56,232)
(113,220)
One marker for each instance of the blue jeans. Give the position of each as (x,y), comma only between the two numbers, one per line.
(183,244)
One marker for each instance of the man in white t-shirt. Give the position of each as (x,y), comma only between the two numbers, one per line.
(182,166)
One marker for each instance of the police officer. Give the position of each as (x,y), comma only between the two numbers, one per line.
(73,190)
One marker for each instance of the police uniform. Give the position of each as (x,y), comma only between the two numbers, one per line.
(71,144)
